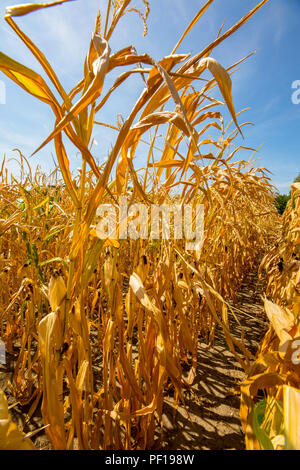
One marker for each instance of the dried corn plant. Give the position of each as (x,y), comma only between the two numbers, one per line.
(273,422)
(106,328)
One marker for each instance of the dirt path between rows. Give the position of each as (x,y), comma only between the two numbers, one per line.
(214,402)
(213,422)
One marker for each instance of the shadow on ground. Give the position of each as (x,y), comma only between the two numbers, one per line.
(213,418)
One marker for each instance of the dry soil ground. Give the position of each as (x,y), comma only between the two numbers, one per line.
(213,405)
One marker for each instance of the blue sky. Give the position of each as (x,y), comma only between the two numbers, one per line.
(263,83)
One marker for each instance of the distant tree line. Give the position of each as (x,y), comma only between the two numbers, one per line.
(281,200)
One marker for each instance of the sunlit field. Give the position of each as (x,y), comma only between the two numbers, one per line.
(102,338)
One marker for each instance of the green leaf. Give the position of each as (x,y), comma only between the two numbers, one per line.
(258,418)
(54,260)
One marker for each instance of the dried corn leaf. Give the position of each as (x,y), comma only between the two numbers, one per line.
(11,438)
(291,403)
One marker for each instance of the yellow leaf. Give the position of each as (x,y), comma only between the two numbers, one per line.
(291,406)
(224,81)
(57,292)
(11,438)
(21,10)
(27,79)
(281,319)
